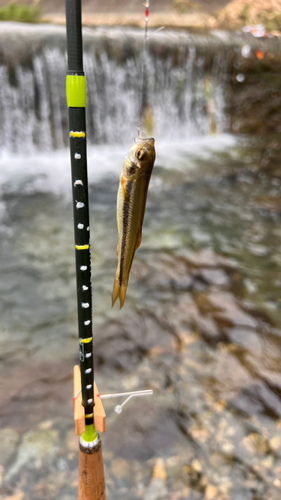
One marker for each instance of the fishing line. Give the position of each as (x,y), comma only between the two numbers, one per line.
(146,4)
(146,38)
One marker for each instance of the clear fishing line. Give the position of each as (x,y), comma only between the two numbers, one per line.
(146,38)
(146,4)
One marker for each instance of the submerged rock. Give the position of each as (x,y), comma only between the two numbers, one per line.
(9,440)
(224,309)
(36,448)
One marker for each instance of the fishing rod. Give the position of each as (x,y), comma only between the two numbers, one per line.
(91,473)
(89,413)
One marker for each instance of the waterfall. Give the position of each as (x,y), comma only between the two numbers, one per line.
(184,88)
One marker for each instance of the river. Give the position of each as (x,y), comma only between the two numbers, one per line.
(200,326)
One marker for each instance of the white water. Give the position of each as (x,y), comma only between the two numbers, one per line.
(185,93)
(50,173)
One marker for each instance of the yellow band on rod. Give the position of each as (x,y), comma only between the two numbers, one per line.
(77,134)
(81,247)
(86,341)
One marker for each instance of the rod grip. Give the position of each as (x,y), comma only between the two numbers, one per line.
(91,473)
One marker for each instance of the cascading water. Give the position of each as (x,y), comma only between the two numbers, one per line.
(184,90)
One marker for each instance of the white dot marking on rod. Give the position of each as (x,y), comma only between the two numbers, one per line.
(88,370)
(83,268)
(78,183)
(88,354)
(85,305)
(88,228)
(85,288)
(80,226)
(86,323)
(89,401)
(88,387)
(77,156)
(79,204)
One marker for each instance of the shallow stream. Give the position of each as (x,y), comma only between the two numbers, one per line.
(201,325)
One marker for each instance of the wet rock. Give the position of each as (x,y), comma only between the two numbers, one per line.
(17,496)
(193,477)
(184,313)
(257,398)
(205,325)
(122,345)
(256,443)
(258,250)
(45,425)
(36,448)
(211,492)
(184,271)
(271,203)
(215,277)
(224,309)
(272,378)
(156,490)
(227,365)
(120,468)
(199,433)
(277,483)
(207,259)
(196,465)
(275,443)
(159,470)
(72,441)
(248,339)
(9,440)
(46,385)
(166,272)
(143,431)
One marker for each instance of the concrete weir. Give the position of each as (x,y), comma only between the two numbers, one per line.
(194,84)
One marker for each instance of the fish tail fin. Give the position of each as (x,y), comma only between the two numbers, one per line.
(119,291)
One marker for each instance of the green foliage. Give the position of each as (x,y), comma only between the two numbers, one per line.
(183,6)
(245,14)
(21,13)
(272,22)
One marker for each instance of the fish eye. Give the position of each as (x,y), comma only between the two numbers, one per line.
(141,154)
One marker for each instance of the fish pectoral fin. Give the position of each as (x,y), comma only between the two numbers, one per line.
(123,187)
(119,291)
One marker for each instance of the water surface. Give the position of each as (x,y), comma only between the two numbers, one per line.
(201,325)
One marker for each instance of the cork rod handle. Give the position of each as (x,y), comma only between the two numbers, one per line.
(91,473)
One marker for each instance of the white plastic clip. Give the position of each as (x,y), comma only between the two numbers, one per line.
(130,395)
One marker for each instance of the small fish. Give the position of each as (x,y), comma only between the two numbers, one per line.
(131,201)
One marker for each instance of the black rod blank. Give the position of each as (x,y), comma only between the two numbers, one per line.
(78,154)
(74,36)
